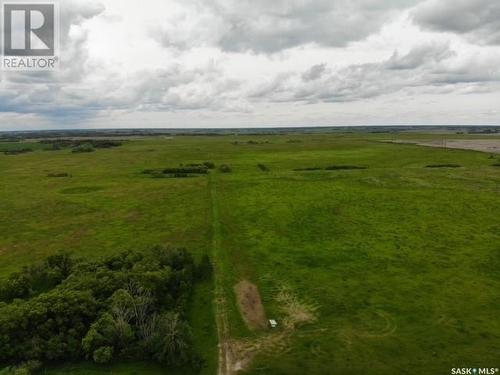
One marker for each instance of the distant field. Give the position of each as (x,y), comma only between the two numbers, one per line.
(370,261)
(483,145)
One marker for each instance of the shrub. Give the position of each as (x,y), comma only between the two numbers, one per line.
(209,165)
(186,170)
(18,151)
(307,169)
(263,168)
(190,170)
(86,147)
(103,355)
(331,168)
(26,368)
(58,175)
(443,166)
(224,168)
(343,167)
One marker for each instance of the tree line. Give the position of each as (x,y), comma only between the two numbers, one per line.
(126,306)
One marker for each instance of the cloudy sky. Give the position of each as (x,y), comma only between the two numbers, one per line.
(243,63)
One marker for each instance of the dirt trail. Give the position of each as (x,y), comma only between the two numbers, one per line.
(237,355)
(221,315)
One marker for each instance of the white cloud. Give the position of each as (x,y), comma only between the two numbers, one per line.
(250,63)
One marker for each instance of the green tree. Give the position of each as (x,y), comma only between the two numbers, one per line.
(103,355)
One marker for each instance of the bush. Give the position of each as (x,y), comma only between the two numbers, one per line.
(307,169)
(343,167)
(331,168)
(86,147)
(186,170)
(443,166)
(224,168)
(18,151)
(183,171)
(103,355)
(263,168)
(26,368)
(58,175)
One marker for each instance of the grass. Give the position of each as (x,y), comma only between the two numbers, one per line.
(400,261)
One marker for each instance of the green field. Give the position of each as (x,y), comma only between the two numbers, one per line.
(394,268)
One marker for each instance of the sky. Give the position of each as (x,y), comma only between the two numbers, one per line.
(258,63)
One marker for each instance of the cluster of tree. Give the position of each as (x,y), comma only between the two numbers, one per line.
(59,144)
(343,167)
(484,131)
(206,164)
(251,142)
(128,306)
(85,147)
(332,168)
(58,175)
(183,171)
(18,151)
(443,166)
(187,170)
(308,169)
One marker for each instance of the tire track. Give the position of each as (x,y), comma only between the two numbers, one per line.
(221,317)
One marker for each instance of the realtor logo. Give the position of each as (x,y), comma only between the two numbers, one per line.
(30,35)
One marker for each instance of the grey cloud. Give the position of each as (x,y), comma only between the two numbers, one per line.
(423,69)
(169,89)
(264,26)
(478,20)
(315,72)
(420,55)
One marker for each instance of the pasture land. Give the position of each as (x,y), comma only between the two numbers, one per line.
(370,262)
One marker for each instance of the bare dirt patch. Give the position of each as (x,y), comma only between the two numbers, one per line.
(250,304)
(483,145)
(296,312)
(276,342)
